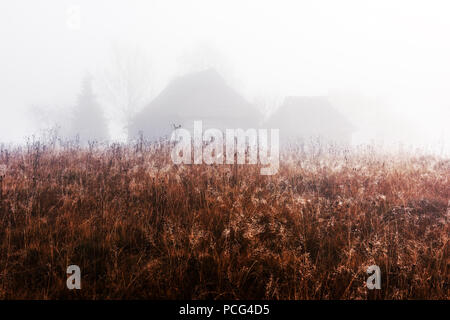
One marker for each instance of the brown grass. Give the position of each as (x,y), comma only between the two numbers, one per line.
(139,227)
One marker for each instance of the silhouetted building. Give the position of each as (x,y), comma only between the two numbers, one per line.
(199,96)
(310,117)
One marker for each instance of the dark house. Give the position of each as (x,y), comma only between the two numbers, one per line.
(310,117)
(201,96)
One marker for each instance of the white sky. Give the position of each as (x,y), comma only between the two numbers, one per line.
(396,52)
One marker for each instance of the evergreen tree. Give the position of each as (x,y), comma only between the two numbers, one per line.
(88,121)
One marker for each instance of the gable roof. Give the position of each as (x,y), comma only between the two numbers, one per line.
(199,96)
(309,116)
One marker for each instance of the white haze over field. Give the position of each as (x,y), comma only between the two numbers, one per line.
(385,63)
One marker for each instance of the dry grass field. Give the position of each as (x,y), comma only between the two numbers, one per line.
(142,228)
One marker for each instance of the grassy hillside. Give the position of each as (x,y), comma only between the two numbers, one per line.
(140,227)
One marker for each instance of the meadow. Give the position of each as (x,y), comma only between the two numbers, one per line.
(141,227)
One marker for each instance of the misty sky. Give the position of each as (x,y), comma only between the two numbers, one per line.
(387,61)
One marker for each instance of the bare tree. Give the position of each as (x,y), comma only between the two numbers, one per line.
(205,55)
(268,103)
(127,83)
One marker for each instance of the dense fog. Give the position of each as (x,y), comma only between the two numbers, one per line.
(90,67)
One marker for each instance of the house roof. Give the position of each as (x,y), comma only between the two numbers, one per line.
(309,115)
(199,96)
